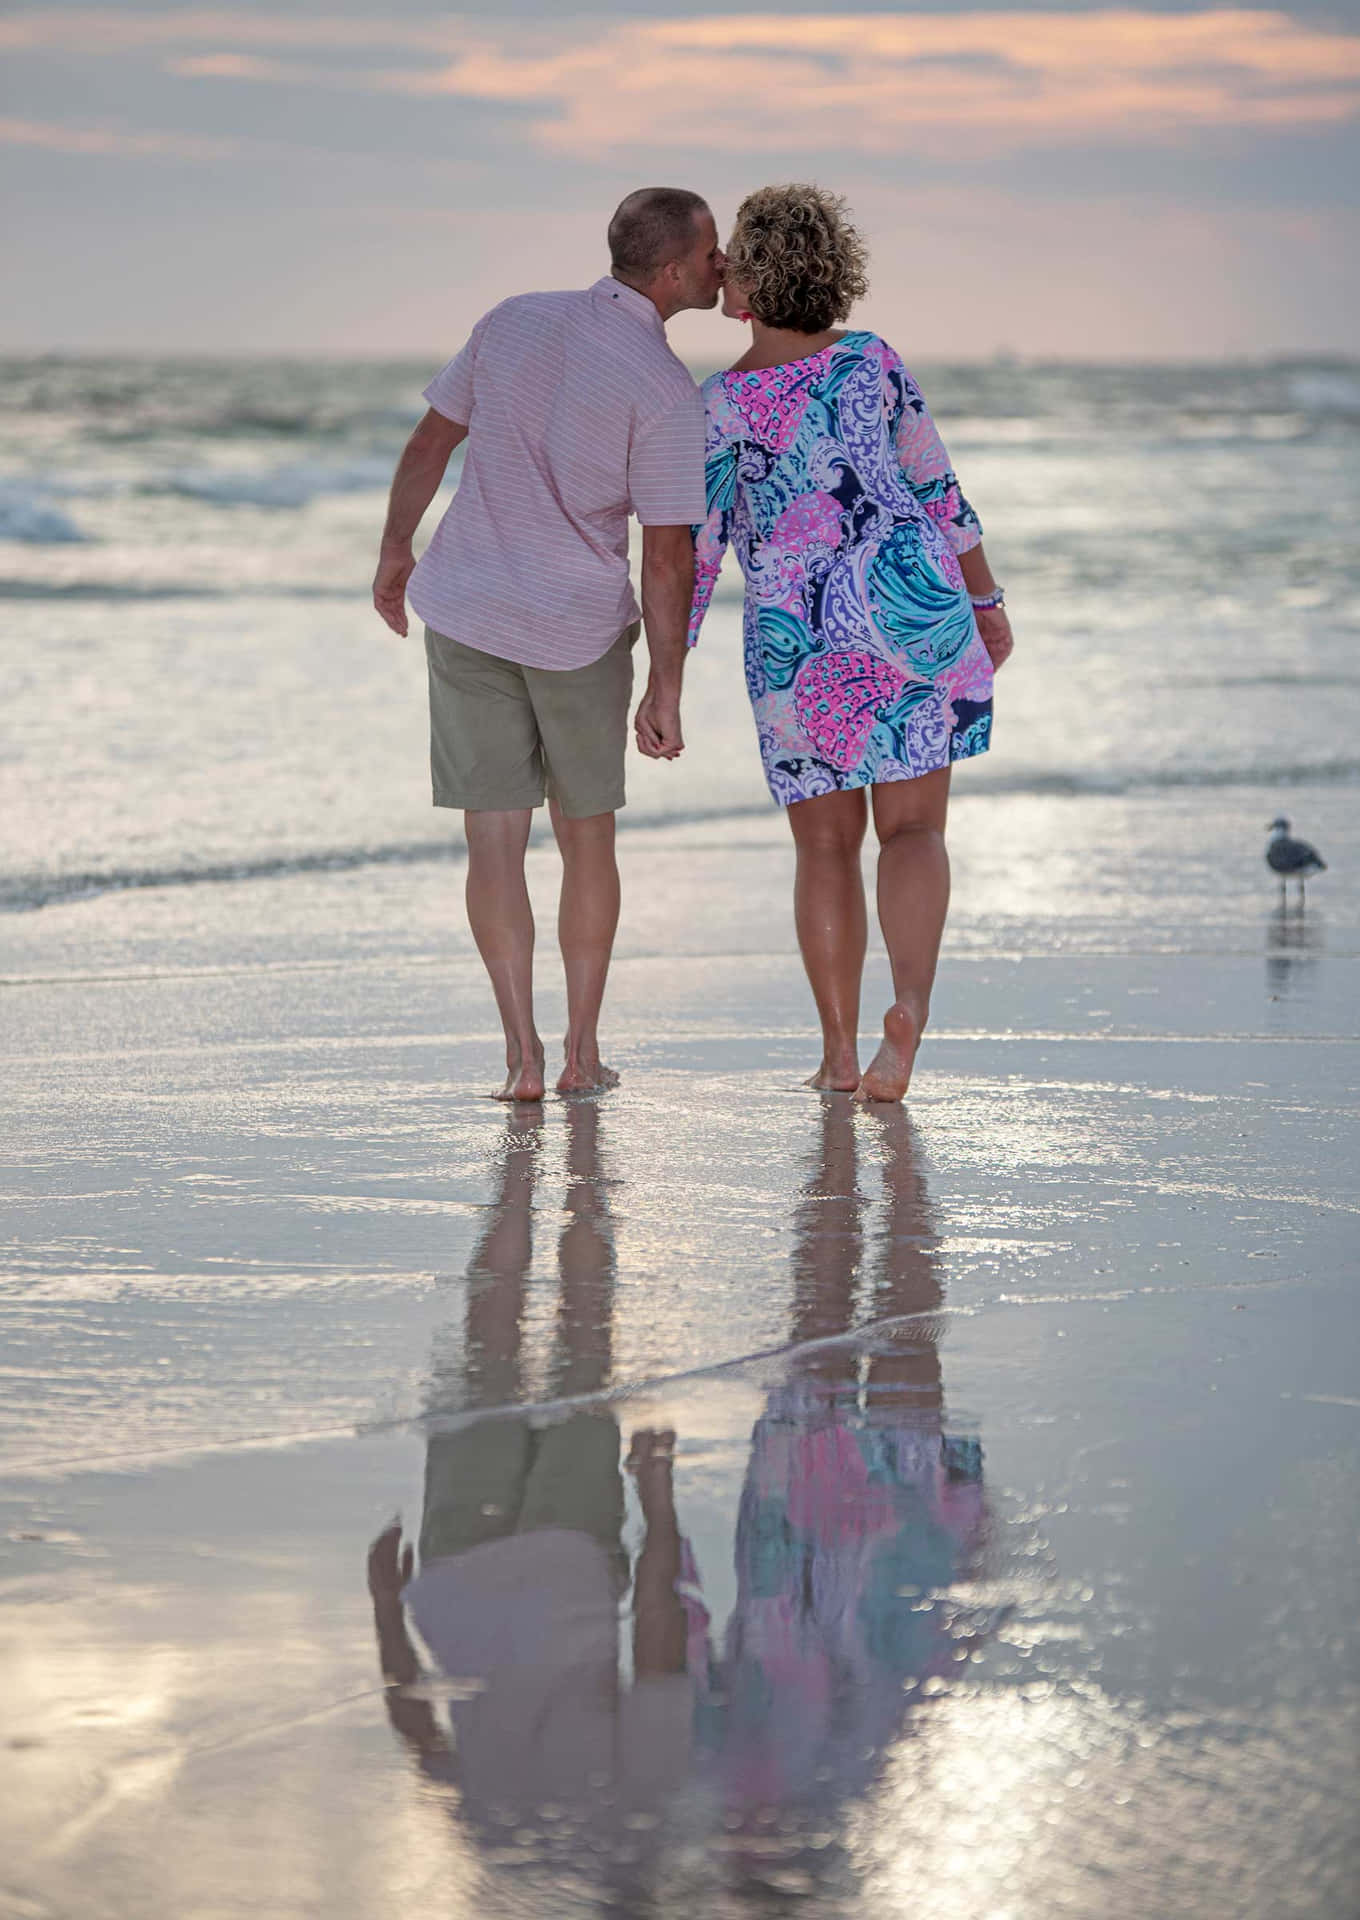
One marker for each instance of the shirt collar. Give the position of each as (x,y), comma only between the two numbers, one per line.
(631,301)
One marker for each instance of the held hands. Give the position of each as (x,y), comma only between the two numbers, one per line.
(657,724)
(994,631)
(395,567)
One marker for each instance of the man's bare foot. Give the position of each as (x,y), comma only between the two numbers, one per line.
(888,1074)
(525,1081)
(582,1074)
(838,1073)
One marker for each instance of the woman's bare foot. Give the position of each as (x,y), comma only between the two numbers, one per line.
(523,1080)
(838,1073)
(584,1073)
(888,1074)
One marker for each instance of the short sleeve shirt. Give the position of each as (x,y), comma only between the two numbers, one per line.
(578,414)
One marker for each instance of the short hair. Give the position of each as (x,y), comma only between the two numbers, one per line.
(651,228)
(803,261)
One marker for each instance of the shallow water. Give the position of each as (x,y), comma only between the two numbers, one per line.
(193,680)
(1005,1559)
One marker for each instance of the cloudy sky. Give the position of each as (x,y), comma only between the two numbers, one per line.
(369,175)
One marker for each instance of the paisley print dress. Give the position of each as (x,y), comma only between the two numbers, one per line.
(863,660)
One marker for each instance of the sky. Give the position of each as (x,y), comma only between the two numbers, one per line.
(368,176)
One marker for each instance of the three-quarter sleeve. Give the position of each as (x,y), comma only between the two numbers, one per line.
(452,391)
(712,533)
(922,457)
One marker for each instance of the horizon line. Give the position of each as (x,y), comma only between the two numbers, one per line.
(998,357)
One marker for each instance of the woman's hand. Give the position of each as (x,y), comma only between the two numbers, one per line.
(994,631)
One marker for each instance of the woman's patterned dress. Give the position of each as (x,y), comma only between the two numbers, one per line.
(863,660)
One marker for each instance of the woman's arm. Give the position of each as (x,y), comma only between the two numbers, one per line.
(710,544)
(923,459)
(993,625)
(711,538)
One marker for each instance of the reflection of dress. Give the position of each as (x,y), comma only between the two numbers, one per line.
(851,1526)
(863,660)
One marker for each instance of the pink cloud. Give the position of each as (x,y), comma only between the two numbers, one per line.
(878,82)
(830,82)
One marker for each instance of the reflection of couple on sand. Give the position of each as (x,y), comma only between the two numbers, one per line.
(857,1513)
(872,622)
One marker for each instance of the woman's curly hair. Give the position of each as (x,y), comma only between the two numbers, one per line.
(803,261)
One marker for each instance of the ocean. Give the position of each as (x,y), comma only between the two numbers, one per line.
(1084,1307)
(196,688)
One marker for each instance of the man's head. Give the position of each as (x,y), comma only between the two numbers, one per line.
(664,242)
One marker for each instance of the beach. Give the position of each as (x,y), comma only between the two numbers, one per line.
(1016,1434)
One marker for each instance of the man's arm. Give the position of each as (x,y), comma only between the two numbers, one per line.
(389,1569)
(419,471)
(667,590)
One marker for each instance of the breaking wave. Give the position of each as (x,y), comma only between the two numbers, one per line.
(31,517)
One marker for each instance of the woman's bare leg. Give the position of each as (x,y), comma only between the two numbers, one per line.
(828,909)
(913,899)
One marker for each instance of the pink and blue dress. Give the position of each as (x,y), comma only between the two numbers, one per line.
(863,660)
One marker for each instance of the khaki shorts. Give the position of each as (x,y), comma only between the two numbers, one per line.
(502,1476)
(504,736)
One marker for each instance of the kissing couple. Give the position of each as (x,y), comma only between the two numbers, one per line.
(872,624)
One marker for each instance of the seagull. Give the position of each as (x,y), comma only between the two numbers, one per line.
(1287,857)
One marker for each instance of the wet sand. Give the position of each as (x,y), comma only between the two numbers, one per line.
(1013,1494)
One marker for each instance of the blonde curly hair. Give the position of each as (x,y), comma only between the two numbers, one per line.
(796,250)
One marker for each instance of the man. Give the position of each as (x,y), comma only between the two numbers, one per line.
(575,412)
(522,1562)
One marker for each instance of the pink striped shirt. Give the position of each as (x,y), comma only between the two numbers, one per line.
(578,413)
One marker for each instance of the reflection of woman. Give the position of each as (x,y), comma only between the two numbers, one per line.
(521,1560)
(857,1514)
(872,620)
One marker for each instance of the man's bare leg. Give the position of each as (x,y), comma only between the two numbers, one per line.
(913,899)
(587,920)
(828,910)
(502,923)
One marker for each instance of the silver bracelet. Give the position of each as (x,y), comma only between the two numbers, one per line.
(984,602)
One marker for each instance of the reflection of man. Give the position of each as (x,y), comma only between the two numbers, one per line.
(576,413)
(521,1557)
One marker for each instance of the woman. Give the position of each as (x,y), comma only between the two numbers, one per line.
(872,621)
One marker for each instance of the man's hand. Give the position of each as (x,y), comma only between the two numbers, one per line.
(667,589)
(389,1564)
(657,724)
(395,567)
(419,471)
(994,631)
